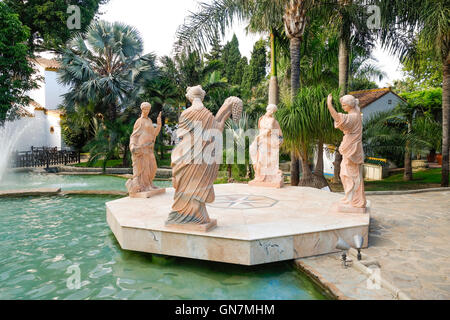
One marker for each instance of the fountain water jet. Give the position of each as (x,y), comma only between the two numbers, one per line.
(10,135)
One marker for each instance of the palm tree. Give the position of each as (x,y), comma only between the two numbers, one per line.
(105,66)
(398,133)
(305,123)
(294,25)
(422,24)
(105,144)
(382,136)
(240,141)
(160,92)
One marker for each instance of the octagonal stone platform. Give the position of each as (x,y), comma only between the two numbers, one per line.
(255,225)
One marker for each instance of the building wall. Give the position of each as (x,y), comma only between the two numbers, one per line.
(35,131)
(381,104)
(38,94)
(53,90)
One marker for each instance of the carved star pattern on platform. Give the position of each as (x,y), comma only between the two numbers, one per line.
(242,201)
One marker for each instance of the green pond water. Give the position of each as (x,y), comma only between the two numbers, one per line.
(67,182)
(43,238)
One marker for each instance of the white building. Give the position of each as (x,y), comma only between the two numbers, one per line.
(40,121)
(370,101)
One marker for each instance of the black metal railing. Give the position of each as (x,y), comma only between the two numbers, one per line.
(44,156)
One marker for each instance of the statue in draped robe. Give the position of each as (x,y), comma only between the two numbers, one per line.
(196,158)
(352,153)
(264,151)
(142,142)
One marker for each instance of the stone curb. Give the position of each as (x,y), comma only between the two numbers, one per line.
(370,193)
(317,278)
(95,192)
(57,191)
(160,172)
(30,192)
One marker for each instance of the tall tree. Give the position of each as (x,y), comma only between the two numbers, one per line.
(215,53)
(240,70)
(295,21)
(305,123)
(422,24)
(256,70)
(230,59)
(15,69)
(47,20)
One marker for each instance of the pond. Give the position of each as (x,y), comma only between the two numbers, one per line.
(67,182)
(44,238)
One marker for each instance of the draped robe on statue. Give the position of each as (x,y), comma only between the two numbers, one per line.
(264,151)
(142,142)
(193,177)
(352,158)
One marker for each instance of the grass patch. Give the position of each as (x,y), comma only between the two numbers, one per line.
(429,178)
(164,162)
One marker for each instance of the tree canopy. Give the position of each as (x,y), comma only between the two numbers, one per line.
(15,68)
(47,20)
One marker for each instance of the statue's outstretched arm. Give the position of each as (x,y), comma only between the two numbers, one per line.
(158,125)
(333,112)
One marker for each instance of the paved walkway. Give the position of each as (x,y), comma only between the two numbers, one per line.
(410,237)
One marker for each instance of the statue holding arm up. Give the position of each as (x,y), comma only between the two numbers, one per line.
(142,143)
(352,153)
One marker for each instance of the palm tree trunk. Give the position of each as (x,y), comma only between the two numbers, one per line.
(295,85)
(294,169)
(408,174)
(318,170)
(125,161)
(343,65)
(445,120)
(307,179)
(337,166)
(229,172)
(295,65)
(343,86)
(273,84)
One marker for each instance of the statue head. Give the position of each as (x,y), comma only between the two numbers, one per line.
(145,107)
(271,109)
(196,92)
(349,102)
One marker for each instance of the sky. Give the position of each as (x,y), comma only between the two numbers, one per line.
(157,21)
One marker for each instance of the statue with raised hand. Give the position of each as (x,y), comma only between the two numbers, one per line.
(351,148)
(142,143)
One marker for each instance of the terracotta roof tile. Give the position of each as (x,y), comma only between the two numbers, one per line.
(36,105)
(366,97)
(48,63)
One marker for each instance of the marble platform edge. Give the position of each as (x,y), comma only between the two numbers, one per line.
(236,251)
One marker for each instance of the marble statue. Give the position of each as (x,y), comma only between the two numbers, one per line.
(193,170)
(264,151)
(352,153)
(142,142)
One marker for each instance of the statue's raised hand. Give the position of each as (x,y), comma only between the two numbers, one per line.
(158,120)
